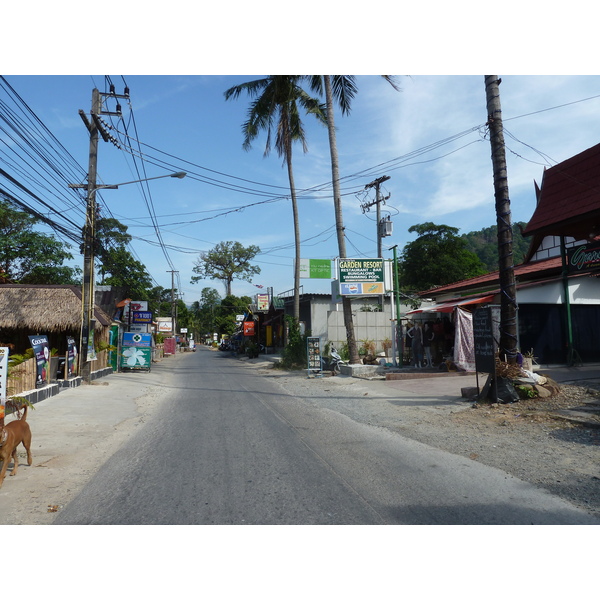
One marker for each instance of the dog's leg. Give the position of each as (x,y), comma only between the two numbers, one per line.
(3,472)
(15,462)
(27,444)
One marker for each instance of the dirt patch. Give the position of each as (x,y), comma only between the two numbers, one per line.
(574,404)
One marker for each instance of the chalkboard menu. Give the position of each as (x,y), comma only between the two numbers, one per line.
(485,353)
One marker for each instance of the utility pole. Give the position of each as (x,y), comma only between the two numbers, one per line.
(508,299)
(173,301)
(95,129)
(378,199)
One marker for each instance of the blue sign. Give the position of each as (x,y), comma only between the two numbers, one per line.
(137,340)
(141,317)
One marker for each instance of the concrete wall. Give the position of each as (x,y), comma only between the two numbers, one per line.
(375,326)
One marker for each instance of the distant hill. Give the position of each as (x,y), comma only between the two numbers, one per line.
(484,243)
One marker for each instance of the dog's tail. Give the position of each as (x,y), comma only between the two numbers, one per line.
(24,407)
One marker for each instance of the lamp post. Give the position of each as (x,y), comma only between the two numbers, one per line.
(87,291)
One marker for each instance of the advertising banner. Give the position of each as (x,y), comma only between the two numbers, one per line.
(137,351)
(170,345)
(248,328)
(3,377)
(262,302)
(41,352)
(361,276)
(71,357)
(315,268)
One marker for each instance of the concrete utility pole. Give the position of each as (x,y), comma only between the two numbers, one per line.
(95,129)
(508,299)
(378,199)
(89,236)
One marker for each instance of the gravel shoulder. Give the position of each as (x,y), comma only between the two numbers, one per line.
(529,439)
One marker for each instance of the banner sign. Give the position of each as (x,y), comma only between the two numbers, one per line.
(361,276)
(584,258)
(248,328)
(71,357)
(3,377)
(262,302)
(315,268)
(41,352)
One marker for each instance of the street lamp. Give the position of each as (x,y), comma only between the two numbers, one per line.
(178,175)
(87,292)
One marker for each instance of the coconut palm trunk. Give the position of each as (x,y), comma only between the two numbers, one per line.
(278,98)
(508,301)
(296,231)
(339,221)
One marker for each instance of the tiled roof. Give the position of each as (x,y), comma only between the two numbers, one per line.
(569,202)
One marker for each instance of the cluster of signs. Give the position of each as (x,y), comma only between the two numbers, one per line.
(356,276)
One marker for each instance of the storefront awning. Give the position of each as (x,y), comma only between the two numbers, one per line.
(446,307)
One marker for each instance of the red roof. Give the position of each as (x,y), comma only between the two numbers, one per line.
(569,202)
(540,269)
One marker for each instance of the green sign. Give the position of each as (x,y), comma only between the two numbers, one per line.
(315,268)
(363,270)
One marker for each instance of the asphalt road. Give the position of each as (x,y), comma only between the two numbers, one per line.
(233,447)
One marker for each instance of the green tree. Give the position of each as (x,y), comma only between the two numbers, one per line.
(437,257)
(28,256)
(340,89)
(231,306)
(120,269)
(484,243)
(277,108)
(206,310)
(226,261)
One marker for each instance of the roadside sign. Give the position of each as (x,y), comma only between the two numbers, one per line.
(361,276)
(315,268)
(313,354)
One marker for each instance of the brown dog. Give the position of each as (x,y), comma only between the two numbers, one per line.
(10,437)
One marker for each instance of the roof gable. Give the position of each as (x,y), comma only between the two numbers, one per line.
(569,198)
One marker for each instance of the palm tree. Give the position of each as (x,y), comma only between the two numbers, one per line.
(276,107)
(342,89)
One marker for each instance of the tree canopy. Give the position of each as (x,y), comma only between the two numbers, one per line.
(437,257)
(28,256)
(484,243)
(226,261)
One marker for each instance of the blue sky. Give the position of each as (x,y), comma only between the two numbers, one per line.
(429,138)
(185,124)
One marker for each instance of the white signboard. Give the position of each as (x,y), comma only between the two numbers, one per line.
(3,373)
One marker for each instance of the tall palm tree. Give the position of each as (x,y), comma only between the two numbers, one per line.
(341,89)
(276,107)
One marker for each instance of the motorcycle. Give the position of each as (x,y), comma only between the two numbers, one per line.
(332,363)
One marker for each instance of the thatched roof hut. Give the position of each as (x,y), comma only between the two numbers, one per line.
(55,310)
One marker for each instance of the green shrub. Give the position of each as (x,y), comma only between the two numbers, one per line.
(294,353)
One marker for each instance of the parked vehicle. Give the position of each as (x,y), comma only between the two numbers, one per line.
(332,362)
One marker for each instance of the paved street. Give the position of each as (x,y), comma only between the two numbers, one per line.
(230,446)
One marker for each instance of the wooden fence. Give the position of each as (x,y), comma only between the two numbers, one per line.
(22,377)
